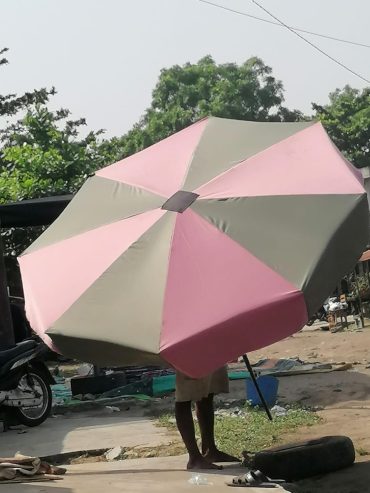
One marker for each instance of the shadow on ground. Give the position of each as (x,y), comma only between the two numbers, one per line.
(42,487)
(355,479)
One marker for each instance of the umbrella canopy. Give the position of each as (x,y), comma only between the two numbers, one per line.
(218,240)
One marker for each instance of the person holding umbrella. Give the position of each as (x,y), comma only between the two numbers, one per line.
(201,391)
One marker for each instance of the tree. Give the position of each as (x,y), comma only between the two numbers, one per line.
(41,154)
(245,92)
(347,121)
(184,94)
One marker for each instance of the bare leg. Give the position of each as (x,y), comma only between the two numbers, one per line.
(206,419)
(185,424)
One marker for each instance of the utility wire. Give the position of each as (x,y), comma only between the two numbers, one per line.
(312,44)
(223,7)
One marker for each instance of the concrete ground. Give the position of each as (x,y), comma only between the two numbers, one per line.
(165,474)
(83,431)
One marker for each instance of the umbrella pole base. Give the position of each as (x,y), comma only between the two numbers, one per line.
(253,377)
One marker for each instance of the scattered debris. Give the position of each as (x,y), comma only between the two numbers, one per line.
(279,410)
(228,403)
(113,409)
(232,412)
(131,454)
(114,453)
(317,408)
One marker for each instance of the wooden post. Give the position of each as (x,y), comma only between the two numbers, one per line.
(6,324)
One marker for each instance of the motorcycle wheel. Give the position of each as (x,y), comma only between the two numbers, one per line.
(34,416)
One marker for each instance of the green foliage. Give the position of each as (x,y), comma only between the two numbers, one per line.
(44,156)
(185,94)
(347,120)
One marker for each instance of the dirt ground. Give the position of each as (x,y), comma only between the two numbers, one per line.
(343,397)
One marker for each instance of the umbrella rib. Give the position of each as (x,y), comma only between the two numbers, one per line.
(135,185)
(81,233)
(194,151)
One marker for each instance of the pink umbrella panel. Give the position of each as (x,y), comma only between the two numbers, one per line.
(219,240)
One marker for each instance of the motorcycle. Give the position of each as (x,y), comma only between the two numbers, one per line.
(25,392)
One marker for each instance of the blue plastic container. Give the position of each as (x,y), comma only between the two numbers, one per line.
(269,388)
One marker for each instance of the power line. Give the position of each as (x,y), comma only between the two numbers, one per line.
(311,44)
(223,7)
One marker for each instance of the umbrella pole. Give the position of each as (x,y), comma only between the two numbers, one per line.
(253,377)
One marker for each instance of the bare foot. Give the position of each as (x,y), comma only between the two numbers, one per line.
(201,463)
(218,456)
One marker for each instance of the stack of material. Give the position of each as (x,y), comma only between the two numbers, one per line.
(22,469)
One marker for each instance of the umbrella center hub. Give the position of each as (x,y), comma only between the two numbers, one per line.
(180,201)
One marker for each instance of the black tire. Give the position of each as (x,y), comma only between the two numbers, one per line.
(306,459)
(22,415)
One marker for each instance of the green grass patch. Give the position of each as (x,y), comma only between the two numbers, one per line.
(252,431)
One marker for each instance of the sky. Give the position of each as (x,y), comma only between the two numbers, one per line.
(104,56)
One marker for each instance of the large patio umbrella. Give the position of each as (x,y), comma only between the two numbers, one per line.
(218,240)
